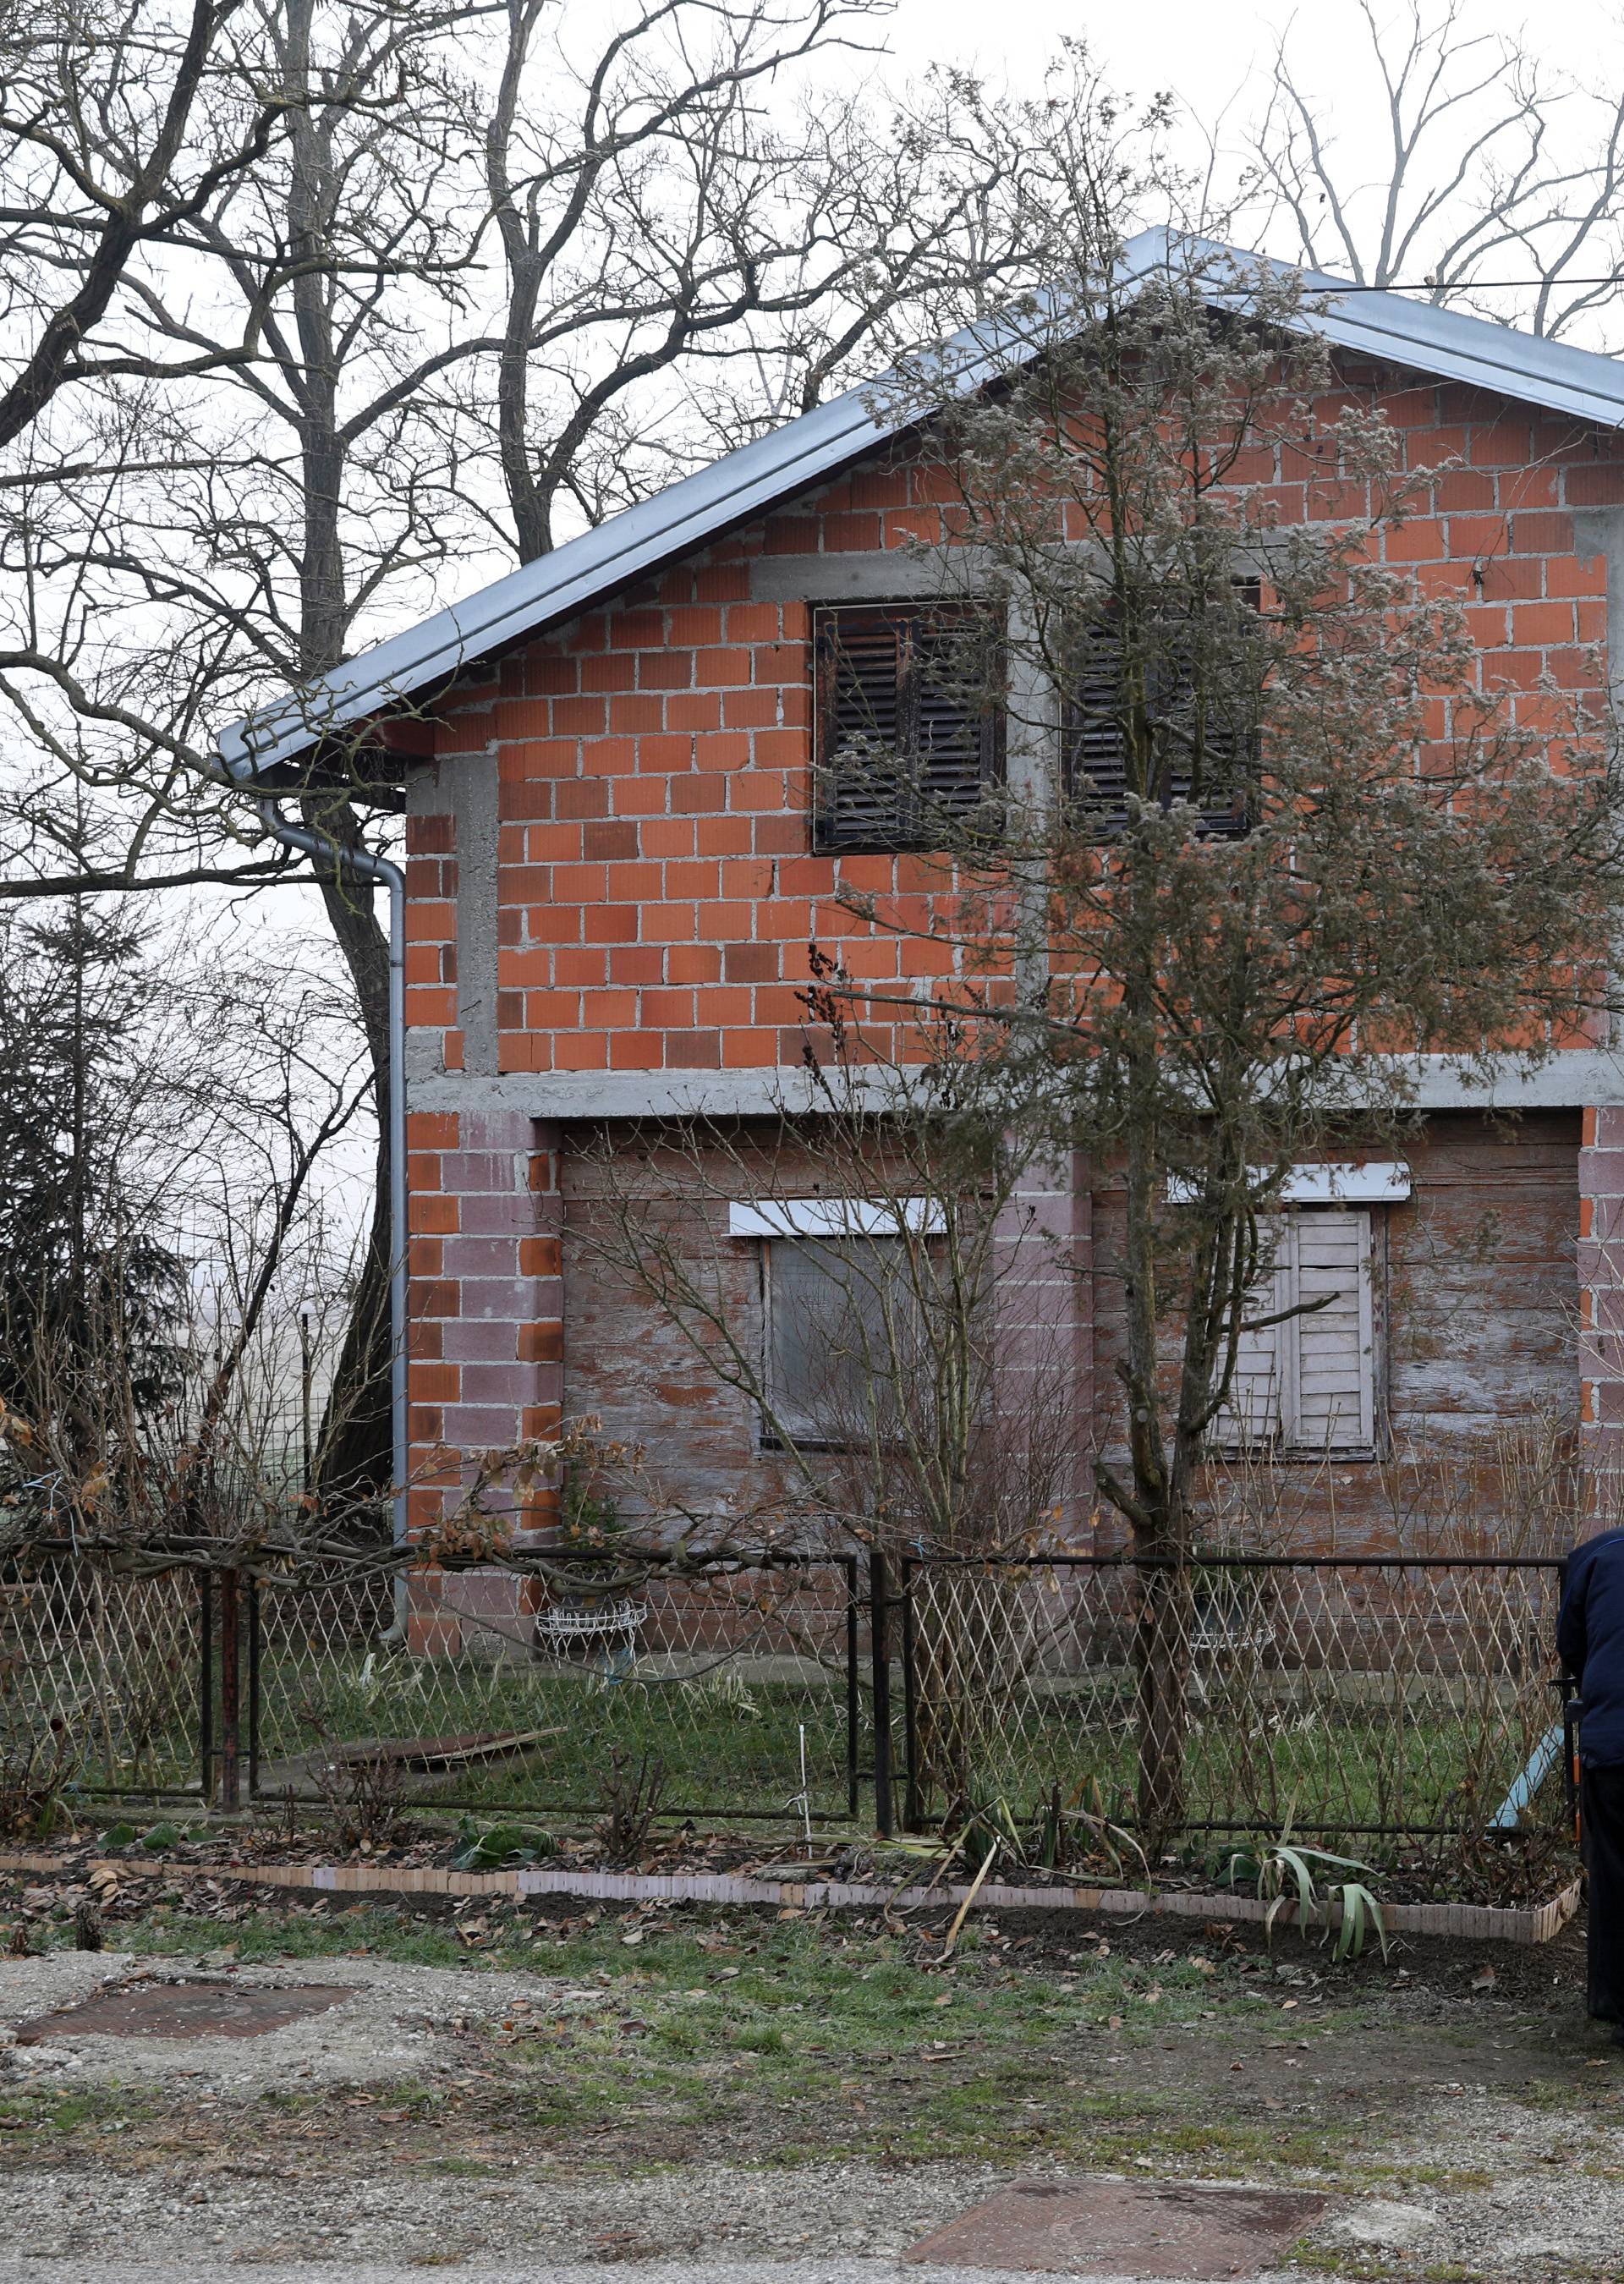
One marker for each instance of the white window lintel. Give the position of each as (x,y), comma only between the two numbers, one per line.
(1377,1182)
(838,1217)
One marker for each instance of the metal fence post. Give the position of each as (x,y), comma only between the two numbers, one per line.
(253,1687)
(880,1655)
(913,1800)
(853,1695)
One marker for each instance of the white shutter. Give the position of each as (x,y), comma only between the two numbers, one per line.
(1261,1397)
(1308,1384)
(1335,1376)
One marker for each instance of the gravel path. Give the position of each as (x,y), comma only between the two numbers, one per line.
(659,2272)
(1525,2192)
(712,2224)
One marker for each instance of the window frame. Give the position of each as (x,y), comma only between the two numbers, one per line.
(805,1434)
(810,1221)
(828,839)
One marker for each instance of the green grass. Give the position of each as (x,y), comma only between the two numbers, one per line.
(48,2110)
(785,2041)
(725,1746)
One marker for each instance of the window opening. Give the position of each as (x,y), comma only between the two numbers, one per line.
(1306,1384)
(901,756)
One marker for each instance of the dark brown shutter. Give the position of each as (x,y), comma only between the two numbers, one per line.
(899,756)
(859,709)
(957,744)
(1096,755)
(1095,751)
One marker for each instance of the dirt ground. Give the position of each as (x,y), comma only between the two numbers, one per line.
(699,2087)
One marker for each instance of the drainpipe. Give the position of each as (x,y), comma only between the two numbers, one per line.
(361,865)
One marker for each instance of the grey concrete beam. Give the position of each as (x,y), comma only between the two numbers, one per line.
(884,575)
(1568,1081)
(474,796)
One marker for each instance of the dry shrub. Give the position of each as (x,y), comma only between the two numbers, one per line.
(1524,1490)
(365,1791)
(39,1756)
(630,1805)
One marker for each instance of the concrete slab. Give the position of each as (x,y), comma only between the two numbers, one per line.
(1125,2228)
(202,2008)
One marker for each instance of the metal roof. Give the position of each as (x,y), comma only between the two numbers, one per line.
(814,447)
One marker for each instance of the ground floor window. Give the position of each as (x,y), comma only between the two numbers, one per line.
(841,1312)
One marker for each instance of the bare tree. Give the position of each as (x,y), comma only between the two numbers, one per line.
(1492,165)
(894,1331)
(166,1122)
(1270,835)
(111,146)
(658,219)
(231,538)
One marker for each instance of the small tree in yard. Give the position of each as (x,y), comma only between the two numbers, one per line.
(1270,831)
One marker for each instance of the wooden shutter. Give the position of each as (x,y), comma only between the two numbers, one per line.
(1259,1404)
(860,706)
(897,753)
(1308,1385)
(1335,1375)
(957,743)
(1095,752)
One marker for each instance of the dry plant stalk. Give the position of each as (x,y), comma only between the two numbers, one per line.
(630,1808)
(363,1790)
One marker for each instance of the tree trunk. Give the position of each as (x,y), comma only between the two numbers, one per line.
(1157,1507)
(354,1450)
(1161,1660)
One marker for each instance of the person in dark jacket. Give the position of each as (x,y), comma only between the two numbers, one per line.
(1590,1642)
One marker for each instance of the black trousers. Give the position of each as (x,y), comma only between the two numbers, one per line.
(1602,1823)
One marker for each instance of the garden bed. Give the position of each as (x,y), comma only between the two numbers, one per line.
(725,1873)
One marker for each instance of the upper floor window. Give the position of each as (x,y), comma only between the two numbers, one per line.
(1190,692)
(904,750)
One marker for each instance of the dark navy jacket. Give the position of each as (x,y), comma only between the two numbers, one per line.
(1590,1640)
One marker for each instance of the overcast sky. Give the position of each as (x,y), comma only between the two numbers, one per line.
(1203,48)
(1215,55)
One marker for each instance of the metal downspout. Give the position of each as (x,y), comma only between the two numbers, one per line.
(363,864)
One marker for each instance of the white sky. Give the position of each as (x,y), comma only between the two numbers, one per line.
(1203,48)
(1215,55)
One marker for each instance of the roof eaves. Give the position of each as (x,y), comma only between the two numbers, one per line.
(686,515)
(816,446)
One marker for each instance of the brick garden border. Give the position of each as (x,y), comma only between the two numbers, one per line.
(1528,1924)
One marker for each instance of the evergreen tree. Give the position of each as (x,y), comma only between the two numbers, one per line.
(92,1318)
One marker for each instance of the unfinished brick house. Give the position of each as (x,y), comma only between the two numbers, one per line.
(616,865)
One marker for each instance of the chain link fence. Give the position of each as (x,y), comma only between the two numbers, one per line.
(1356,1697)
(1362,1698)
